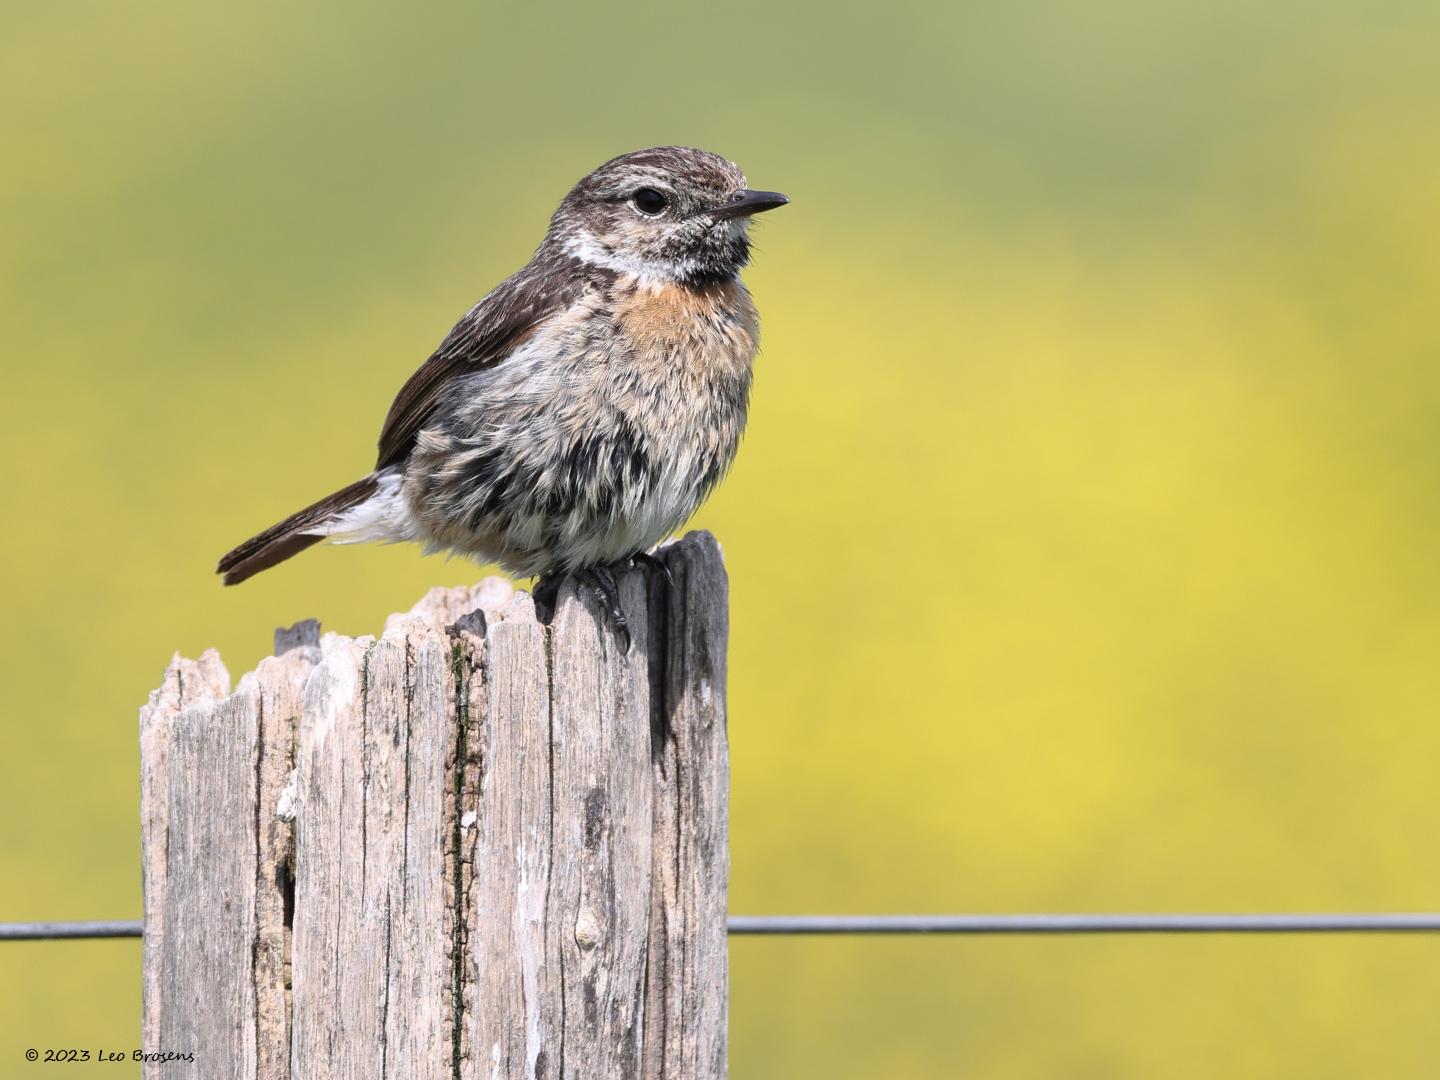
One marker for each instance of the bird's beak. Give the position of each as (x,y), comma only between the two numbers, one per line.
(746,202)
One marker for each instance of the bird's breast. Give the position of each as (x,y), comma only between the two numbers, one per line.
(682,368)
(599,436)
(695,330)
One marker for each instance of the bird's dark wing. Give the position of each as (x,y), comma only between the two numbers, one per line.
(488,333)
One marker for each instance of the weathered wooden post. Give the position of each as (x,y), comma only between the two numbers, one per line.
(478,846)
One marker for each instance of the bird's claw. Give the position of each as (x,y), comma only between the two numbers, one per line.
(545,593)
(653,562)
(599,582)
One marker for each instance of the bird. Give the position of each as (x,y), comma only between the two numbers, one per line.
(580,412)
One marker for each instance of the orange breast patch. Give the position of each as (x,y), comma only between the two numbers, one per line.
(707,324)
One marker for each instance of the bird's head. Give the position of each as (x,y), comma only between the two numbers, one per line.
(670,213)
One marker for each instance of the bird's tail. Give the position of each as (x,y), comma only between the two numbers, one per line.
(295,533)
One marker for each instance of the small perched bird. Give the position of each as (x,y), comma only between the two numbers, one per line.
(582,411)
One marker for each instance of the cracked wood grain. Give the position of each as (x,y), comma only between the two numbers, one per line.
(479,846)
(281,680)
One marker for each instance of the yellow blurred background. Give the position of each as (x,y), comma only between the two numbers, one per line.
(1083,543)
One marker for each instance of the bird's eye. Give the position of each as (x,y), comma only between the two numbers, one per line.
(649,201)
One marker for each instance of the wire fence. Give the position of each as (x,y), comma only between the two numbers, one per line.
(1322,923)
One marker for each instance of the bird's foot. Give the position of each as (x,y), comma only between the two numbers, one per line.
(545,593)
(653,562)
(599,582)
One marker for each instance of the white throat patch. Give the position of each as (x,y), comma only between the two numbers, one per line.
(583,245)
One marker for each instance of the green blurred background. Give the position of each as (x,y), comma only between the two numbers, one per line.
(1083,542)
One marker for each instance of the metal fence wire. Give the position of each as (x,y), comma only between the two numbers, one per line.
(1108,923)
